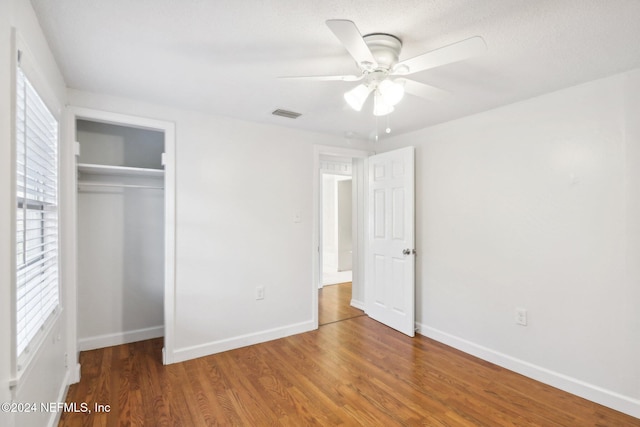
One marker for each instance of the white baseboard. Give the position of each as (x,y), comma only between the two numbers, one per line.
(75,374)
(357,304)
(625,404)
(193,352)
(118,338)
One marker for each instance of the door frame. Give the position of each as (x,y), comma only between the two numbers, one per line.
(168,129)
(359,204)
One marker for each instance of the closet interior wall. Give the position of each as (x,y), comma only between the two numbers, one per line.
(120,234)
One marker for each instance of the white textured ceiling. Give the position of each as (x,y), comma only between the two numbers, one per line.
(224,56)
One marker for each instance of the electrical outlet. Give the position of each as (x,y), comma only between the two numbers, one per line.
(521,316)
(260,292)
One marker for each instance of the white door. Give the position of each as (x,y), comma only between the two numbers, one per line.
(390,294)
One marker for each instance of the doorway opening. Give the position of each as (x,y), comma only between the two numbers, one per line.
(125,175)
(336,221)
(339,234)
(336,225)
(120,212)
(383,282)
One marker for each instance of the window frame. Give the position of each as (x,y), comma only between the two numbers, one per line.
(24,62)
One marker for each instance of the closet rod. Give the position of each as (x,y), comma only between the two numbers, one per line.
(100,184)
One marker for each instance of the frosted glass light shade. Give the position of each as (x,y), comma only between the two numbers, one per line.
(392,92)
(357,96)
(380,106)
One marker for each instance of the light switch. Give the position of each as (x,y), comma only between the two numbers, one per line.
(296,217)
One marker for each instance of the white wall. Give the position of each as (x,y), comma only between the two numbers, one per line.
(46,376)
(239,186)
(336,223)
(345,224)
(329,223)
(6,248)
(537,205)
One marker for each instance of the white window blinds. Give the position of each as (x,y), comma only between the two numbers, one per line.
(37,213)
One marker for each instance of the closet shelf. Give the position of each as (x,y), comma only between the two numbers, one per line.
(94,169)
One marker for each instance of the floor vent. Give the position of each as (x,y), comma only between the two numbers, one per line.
(285,113)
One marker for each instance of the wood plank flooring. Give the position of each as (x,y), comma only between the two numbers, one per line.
(355,372)
(334,304)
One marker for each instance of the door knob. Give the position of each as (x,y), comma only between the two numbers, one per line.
(407,252)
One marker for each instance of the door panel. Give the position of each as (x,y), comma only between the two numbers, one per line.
(391,299)
(379,215)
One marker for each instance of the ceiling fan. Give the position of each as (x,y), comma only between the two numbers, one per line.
(381,72)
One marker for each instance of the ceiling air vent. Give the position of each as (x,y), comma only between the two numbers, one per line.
(285,113)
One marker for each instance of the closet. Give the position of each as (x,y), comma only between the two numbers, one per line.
(120,234)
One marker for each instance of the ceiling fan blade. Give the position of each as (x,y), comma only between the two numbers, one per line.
(424,91)
(349,35)
(325,78)
(455,52)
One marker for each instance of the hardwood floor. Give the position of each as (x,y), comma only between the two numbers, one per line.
(354,372)
(334,304)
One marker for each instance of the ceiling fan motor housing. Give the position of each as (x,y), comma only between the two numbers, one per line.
(385,49)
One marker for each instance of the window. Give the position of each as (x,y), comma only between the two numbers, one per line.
(37,293)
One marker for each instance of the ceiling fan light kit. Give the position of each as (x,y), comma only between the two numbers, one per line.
(380,106)
(377,56)
(358,95)
(392,91)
